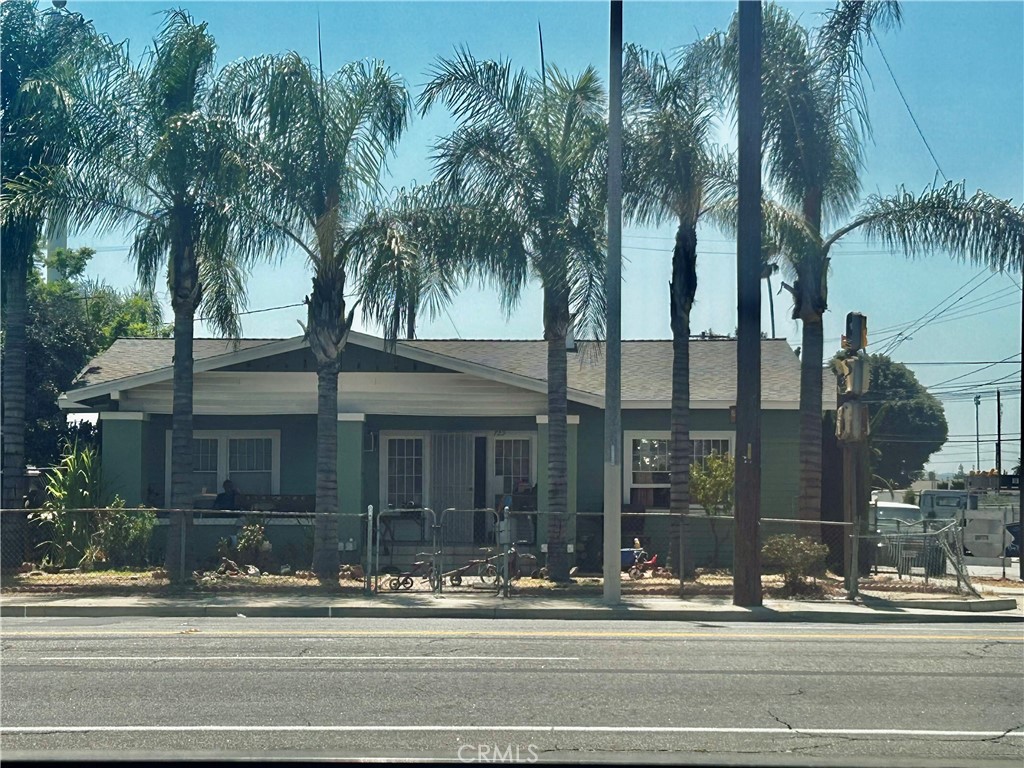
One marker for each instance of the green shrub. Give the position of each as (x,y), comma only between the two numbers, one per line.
(125,535)
(795,558)
(250,544)
(71,487)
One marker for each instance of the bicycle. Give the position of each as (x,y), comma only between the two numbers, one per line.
(405,580)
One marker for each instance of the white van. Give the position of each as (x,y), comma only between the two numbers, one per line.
(893,516)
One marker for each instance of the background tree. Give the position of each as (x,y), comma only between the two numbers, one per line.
(69,321)
(908,424)
(713,487)
(34,46)
(323,143)
(526,167)
(815,126)
(147,153)
(674,172)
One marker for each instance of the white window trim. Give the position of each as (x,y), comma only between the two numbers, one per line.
(222,436)
(492,479)
(386,435)
(628,436)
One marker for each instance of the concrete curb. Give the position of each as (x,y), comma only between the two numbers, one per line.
(975,606)
(891,612)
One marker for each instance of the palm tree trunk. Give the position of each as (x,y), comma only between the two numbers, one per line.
(410,321)
(682,289)
(15,302)
(556,314)
(184,298)
(811,298)
(809,503)
(771,304)
(325,554)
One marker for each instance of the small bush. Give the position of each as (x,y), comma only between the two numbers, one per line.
(125,536)
(795,558)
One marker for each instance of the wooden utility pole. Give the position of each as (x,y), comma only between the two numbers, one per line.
(613,329)
(747,547)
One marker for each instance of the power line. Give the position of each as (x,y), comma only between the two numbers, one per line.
(957,362)
(907,105)
(934,316)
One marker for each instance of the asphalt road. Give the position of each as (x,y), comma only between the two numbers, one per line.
(480,689)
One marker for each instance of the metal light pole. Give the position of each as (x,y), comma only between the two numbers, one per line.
(977,435)
(747,550)
(613,329)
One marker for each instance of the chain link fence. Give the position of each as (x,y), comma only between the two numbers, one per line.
(470,551)
(112,550)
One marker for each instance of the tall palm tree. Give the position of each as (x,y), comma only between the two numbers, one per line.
(769,267)
(35,46)
(526,166)
(149,155)
(323,143)
(675,172)
(815,125)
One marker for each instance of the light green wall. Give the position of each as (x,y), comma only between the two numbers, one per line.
(123,456)
(572,491)
(350,481)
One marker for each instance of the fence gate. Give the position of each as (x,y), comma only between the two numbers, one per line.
(451,481)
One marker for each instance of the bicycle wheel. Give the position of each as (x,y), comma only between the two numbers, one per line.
(635,573)
(489,574)
(394,584)
(406,582)
(432,578)
(455,579)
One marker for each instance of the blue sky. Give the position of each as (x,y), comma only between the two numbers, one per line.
(959,65)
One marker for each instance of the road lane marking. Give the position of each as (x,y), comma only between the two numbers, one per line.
(502,729)
(307,658)
(712,635)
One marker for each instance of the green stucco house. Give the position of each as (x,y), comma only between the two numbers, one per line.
(437,423)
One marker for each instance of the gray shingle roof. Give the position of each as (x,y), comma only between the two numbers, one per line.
(646,365)
(131,357)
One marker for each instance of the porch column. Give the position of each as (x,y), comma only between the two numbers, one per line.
(122,452)
(350,485)
(572,461)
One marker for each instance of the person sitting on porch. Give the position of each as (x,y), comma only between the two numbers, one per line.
(229,498)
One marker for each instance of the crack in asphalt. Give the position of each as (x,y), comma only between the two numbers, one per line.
(780,721)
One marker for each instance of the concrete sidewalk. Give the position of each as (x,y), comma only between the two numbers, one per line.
(425,605)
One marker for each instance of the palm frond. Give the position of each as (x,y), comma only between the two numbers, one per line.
(981,229)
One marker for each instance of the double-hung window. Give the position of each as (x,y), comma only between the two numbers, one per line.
(647,480)
(251,459)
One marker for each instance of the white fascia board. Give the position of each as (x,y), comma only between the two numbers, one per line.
(198,366)
(571,418)
(710,405)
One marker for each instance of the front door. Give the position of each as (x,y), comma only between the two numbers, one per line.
(452,482)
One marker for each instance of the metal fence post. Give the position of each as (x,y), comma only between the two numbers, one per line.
(855,564)
(181,557)
(369,550)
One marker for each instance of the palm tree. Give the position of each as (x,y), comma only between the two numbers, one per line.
(35,46)
(149,155)
(526,169)
(323,143)
(674,172)
(815,124)
(769,267)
